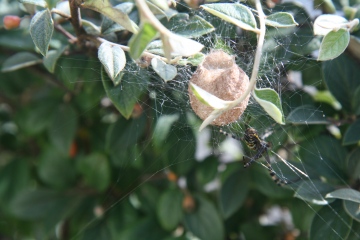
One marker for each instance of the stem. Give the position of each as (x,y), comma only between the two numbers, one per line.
(258,53)
(76,20)
(252,84)
(71,37)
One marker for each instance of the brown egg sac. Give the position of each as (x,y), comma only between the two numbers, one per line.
(219,75)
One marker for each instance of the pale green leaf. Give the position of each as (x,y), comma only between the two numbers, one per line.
(109,26)
(41,30)
(20,60)
(175,45)
(345,194)
(207,98)
(41,3)
(234,13)
(280,19)
(269,100)
(52,57)
(166,71)
(113,59)
(139,41)
(333,44)
(162,128)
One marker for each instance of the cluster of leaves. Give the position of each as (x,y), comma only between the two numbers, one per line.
(72,164)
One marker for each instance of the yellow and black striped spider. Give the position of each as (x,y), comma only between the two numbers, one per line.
(255,143)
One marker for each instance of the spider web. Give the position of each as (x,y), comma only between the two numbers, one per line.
(168,102)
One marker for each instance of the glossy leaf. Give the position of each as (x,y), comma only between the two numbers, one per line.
(162,128)
(334,44)
(341,77)
(113,59)
(233,193)
(139,41)
(169,209)
(189,26)
(234,13)
(352,135)
(314,192)
(269,100)
(20,60)
(352,208)
(41,30)
(345,194)
(95,169)
(326,23)
(63,128)
(280,19)
(306,115)
(331,222)
(205,222)
(166,71)
(52,57)
(127,93)
(104,7)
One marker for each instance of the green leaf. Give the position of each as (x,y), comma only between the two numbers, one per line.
(345,194)
(127,93)
(327,97)
(176,45)
(353,165)
(306,114)
(162,128)
(188,26)
(356,100)
(341,77)
(169,209)
(205,222)
(20,60)
(166,71)
(41,3)
(96,171)
(104,7)
(314,191)
(63,128)
(112,58)
(41,30)
(51,58)
(207,98)
(139,41)
(280,19)
(193,60)
(233,193)
(269,100)
(352,135)
(352,208)
(325,156)
(108,26)
(55,169)
(44,204)
(234,13)
(334,44)
(331,222)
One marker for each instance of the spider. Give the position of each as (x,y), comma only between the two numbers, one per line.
(255,143)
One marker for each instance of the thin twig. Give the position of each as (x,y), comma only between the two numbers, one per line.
(71,37)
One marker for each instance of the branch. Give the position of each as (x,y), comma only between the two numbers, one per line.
(60,29)
(76,20)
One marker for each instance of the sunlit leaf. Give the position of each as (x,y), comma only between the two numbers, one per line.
(345,194)
(280,19)
(166,71)
(179,46)
(269,100)
(334,44)
(113,59)
(109,26)
(139,41)
(234,13)
(114,14)
(325,23)
(20,60)
(41,3)
(41,30)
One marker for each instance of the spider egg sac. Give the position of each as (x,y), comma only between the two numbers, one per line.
(219,75)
